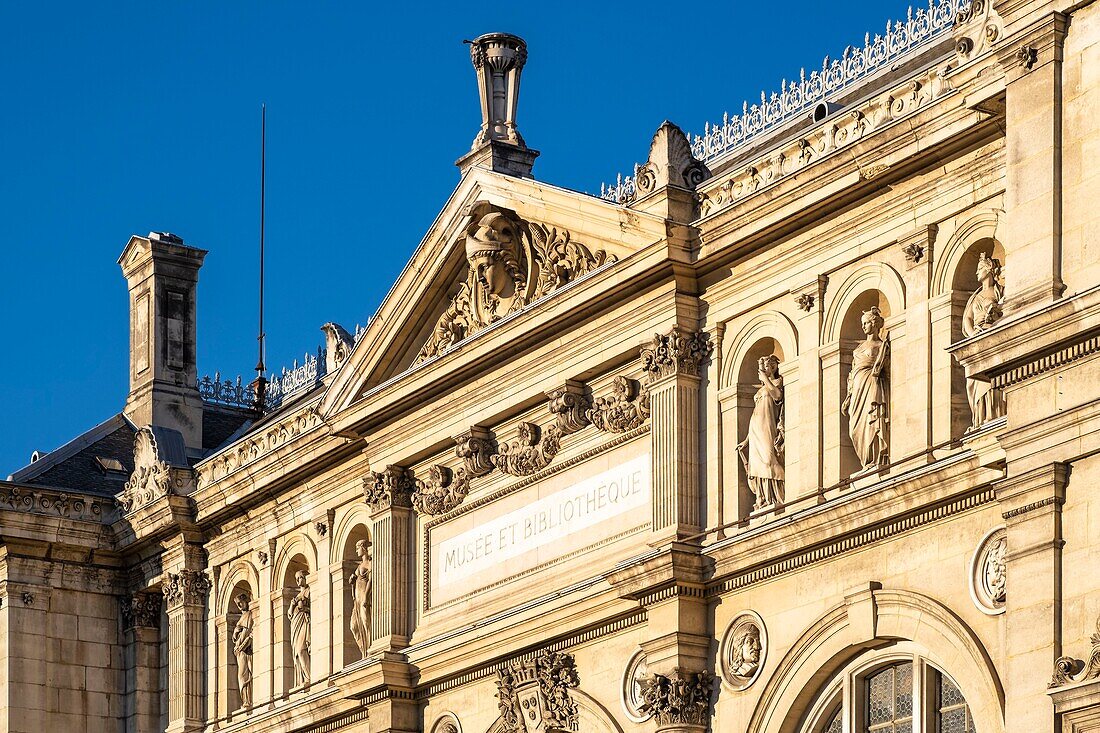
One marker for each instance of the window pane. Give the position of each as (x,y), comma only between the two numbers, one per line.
(880,696)
(903,694)
(949,694)
(890,699)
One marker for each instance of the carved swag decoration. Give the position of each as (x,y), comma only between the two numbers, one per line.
(1068,670)
(512,263)
(625,409)
(533,694)
(681,698)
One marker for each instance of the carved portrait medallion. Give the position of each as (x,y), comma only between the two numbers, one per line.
(989,573)
(631,693)
(744,648)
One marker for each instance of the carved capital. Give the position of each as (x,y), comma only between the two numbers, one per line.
(475,448)
(186,587)
(626,408)
(569,404)
(533,694)
(140,609)
(676,352)
(391,487)
(681,698)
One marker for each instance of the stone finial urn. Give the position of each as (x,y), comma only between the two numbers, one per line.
(498,59)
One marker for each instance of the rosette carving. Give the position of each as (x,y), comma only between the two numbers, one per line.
(391,487)
(681,698)
(626,408)
(676,352)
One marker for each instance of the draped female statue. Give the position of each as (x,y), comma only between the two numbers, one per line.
(982,311)
(867,405)
(761,451)
(299,630)
(360,582)
(242,648)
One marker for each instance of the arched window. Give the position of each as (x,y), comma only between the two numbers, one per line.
(894,692)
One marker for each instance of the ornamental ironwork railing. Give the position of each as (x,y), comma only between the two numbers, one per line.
(280,388)
(797,97)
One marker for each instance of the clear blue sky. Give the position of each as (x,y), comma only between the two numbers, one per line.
(122,118)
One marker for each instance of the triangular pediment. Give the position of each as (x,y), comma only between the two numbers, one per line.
(500,246)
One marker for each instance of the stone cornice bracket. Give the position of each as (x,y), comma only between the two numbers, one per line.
(625,409)
(187,587)
(392,487)
(476,448)
(140,610)
(538,686)
(671,162)
(676,353)
(569,404)
(680,698)
(1068,670)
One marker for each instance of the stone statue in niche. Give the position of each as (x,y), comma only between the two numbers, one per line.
(299,630)
(867,404)
(360,582)
(983,310)
(242,648)
(745,653)
(761,451)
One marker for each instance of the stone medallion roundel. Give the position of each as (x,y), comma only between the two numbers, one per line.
(744,649)
(632,688)
(989,573)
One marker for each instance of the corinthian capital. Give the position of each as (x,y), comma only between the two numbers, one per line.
(186,586)
(681,698)
(391,487)
(676,352)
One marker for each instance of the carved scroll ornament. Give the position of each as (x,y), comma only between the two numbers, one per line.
(1068,670)
(677,352)
(152,477)
(511,263)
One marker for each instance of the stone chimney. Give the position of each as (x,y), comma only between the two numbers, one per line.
(498,59)
(162,274)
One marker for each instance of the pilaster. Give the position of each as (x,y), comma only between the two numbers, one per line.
(141,615)
(1031,505)
(393,528)
(911,377)
(951,416)
(674,363)
(185,595)
(804,438)
(1031,56)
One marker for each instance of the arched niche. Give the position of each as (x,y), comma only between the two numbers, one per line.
(985,224)
(883,617)
(878,278)
(851,333)
(349,562)
(229,683)
(292,560)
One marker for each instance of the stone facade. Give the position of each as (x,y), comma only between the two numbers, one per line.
(793,435)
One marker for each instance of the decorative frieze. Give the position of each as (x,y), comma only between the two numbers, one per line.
(533,694)
(57,504)
(840,131)
(676,352)
(625,409)
(186,587)
(681,698)
(1069,670)
(392,487)
(261,444)
(140,609)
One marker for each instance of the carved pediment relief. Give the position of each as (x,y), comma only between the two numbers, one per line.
(511,262)
(159,470)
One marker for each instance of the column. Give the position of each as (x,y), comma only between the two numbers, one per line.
(393,527)
(141,637)
(1031,56)
(673,364)
(1032,508)
(185,594)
